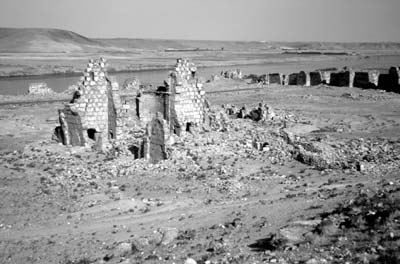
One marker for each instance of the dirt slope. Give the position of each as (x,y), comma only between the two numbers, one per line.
(44,40)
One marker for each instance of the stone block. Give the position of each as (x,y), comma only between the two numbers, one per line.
(293,79)
(315,78)
(275,78)
(390,81)
(302,78)
(361,80)
(340,79)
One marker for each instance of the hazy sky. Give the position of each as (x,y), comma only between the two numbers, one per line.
(288,20)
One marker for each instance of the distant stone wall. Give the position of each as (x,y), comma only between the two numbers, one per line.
(315,78)
(340,79)
(293,78)
(372,79)
(326,77)
(361,80)
(276,78)
(389,81)
(302,78)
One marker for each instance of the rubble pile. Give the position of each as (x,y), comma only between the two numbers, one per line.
(256,78)
(357,154)
(261,113)
(39,89)
(232,74)
(131,84)
(359,230)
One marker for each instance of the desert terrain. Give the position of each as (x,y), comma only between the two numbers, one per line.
(323,188)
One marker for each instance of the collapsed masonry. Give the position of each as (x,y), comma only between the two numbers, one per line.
(140,119)
(367,79)
(232,74)
(40,88)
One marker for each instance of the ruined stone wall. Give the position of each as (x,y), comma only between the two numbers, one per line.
(367,79)
(187,96)
(361,80)
(373,77)
(315,78)
(156,139)
(92,104)
(150,103)
(293,78)
(389,81)
(275,78)
(97,104)
(71,124)
(127,117)
(302,78)
(340,79)
(326,77)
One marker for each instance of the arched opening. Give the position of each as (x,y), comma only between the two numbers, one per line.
(135,150)
(189,126)
(91,132)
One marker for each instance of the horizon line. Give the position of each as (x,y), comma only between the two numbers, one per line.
(216,40)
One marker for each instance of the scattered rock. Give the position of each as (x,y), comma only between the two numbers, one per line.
(190,261)
(124,249)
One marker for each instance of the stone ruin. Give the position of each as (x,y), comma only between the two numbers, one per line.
(131,84)
(261,113)
(156,139)
(367,79)
(91,115)
(140,120)
(276,78)
(188,102)
(232,74)
(40,88)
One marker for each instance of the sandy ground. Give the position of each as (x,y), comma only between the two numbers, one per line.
(217,199)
